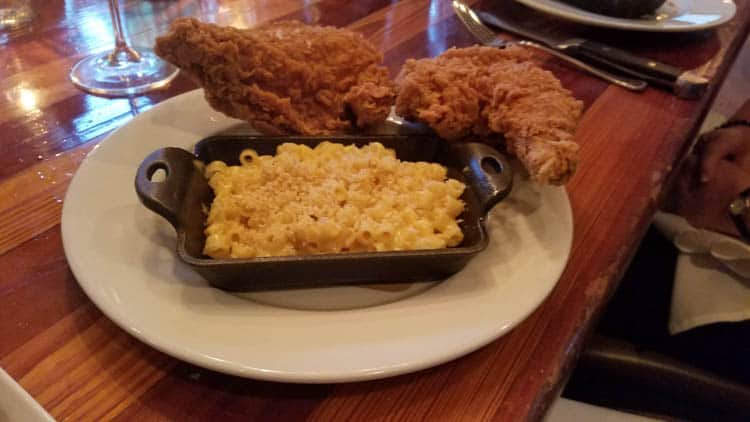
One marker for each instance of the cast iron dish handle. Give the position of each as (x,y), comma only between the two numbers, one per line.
(165,197)
(487,171)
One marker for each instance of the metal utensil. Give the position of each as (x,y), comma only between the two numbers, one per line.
(487,37)
(683,83)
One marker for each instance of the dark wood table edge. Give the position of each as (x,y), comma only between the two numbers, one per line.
(540,406)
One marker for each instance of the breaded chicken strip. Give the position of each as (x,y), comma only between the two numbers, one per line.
(483,90)
(284,77)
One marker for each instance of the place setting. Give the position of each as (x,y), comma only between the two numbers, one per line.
(601,49)
(318,302)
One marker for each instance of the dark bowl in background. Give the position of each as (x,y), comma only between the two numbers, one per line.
(629,9)
(183,195)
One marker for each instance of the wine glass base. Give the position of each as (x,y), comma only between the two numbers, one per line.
(96,75)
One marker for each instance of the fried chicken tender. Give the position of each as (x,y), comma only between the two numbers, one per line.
(284,77)
(483,90)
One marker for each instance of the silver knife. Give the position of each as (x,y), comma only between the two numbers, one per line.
(486,36)
(684,83)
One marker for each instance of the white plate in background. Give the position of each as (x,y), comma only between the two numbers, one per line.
(672,16)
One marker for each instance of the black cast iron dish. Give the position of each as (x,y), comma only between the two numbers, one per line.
(184,193)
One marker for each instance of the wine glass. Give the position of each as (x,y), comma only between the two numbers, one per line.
(123,71)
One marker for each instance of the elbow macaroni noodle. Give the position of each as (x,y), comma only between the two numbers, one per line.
(333,198)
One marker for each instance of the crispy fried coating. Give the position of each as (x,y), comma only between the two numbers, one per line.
(483,90)
(284,77)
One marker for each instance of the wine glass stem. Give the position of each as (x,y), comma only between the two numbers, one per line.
(121,46)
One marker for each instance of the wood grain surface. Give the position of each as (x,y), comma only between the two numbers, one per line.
(81,366)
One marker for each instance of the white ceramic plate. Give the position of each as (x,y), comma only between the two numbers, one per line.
(122,256)
(672,16)
(18,405)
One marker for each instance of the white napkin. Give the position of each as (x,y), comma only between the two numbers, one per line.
(712,278)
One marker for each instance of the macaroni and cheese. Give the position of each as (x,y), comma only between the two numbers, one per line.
(333,198)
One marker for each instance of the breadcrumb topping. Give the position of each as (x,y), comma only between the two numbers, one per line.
(330,199)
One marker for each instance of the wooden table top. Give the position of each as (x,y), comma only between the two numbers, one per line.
(80,366)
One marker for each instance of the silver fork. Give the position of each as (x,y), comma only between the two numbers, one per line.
(487,37)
